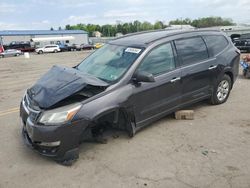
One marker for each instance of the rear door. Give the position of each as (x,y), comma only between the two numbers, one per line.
(151,100)
(195,68)
(48,49)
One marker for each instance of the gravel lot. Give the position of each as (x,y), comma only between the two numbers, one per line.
(213,150)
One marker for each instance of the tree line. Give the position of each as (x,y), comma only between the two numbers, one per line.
(109,30)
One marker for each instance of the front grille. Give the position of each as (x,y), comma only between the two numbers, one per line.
(33,114)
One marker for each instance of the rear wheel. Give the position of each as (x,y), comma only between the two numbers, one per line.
(17,54)
(55,51)
(222,90)
(1,56)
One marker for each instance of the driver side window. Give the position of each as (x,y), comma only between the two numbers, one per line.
(159,60)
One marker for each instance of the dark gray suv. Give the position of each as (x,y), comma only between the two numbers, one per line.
(127,84)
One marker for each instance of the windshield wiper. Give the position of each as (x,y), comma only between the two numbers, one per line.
(105,80)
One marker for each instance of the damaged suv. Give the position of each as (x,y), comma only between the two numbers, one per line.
(127,84)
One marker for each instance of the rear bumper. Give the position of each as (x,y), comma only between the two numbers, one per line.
(52,141)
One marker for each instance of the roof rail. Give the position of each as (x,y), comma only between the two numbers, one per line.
(183,31)
(178,30)
(140,32)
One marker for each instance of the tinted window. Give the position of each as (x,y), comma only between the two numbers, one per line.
(215,43)
(191,50)
(159,60)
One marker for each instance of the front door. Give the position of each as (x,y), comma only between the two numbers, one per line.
(155,99)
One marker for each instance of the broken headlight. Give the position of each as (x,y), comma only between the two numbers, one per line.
(59,115)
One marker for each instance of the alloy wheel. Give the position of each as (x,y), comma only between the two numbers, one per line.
(222,90)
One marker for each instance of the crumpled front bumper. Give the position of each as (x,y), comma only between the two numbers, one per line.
(53,141)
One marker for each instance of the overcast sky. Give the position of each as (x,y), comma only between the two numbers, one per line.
(42,14)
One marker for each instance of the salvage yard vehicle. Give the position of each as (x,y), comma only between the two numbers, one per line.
(10,52)
(64,47)
(74,47)
(243,45)
(98,45)
(48,48)
(127,84)
(22,46)
(87,47)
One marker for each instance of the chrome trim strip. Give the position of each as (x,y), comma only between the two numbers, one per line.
(25,108)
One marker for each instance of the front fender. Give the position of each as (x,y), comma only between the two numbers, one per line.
(112,101)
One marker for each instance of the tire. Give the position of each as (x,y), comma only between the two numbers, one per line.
(2,56)
(55,51)
(17,54)
(40,52)
(221,90)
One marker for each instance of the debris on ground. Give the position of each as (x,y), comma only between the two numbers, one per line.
(115,136)
(184,114)
(205,152)
(245,63)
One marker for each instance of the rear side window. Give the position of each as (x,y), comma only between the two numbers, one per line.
(159,60)
(191,50)
(215,43)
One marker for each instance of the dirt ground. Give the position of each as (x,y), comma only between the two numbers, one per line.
(213,150)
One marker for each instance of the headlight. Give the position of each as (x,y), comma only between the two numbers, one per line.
(60,115)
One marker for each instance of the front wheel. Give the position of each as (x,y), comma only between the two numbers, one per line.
(55,51)
(222,90)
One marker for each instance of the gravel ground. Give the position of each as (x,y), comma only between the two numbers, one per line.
(213,150)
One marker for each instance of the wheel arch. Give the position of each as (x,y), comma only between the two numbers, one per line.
(230,74)
(122,118)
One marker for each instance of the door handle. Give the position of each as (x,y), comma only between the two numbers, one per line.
(212,67)
(175,79)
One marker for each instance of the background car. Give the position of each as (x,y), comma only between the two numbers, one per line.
(243,45)
(98,45)
(87,47)
(48,48)
(10,52)
(64,47)
(74,47)
(22,46)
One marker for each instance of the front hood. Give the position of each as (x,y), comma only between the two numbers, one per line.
(59,83)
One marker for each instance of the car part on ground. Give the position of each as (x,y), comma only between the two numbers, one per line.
(246,68)
(127,84)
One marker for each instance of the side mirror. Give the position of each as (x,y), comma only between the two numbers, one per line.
(142,76)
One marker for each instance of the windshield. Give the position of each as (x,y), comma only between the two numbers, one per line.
(109,62)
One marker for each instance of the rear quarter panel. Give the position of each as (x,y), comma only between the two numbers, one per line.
(228,61)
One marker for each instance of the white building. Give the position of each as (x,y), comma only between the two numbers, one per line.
(42,37)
